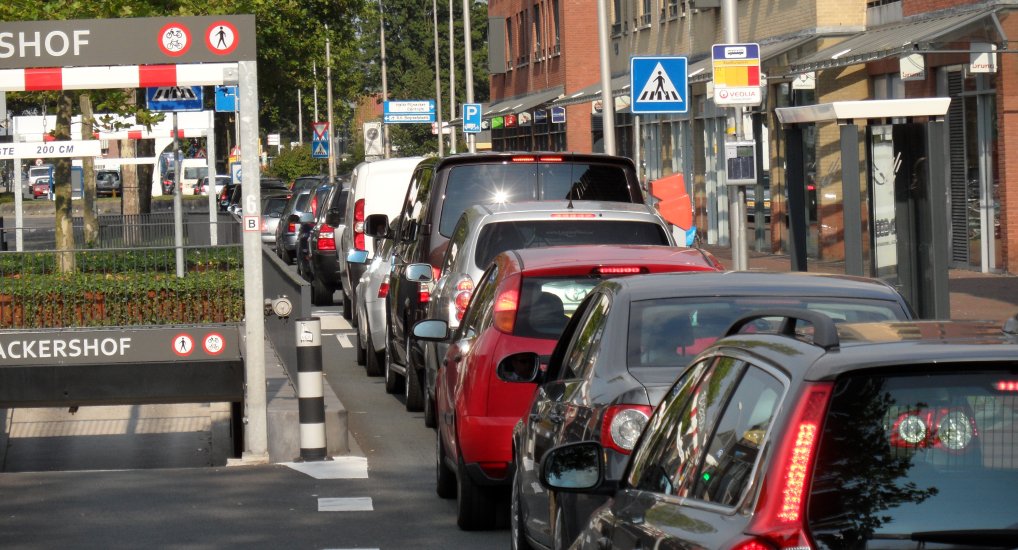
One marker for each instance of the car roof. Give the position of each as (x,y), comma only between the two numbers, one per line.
(756,283)
(584,257)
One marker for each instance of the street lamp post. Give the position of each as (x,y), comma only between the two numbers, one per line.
(385,86)
(438,83)
(468,68)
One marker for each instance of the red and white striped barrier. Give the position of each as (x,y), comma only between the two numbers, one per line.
(146,134)
(128,76)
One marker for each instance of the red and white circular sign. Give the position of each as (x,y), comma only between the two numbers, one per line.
(222,37)
(174,39)
(213,344)
(183,344)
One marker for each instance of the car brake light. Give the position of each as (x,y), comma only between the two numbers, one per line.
(326,237)
(622,425)
(619,270)
(464,289)
(551,159)
(291,228)
(314,205)
(383,289)
(1007,385)
(505,310)
(424,293)
(780,512)
(358,225)
(574,215)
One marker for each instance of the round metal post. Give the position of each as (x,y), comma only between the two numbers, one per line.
(310,389)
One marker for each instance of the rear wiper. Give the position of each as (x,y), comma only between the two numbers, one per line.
(974,537)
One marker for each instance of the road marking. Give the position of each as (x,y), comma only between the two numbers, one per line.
(341,467)
(344,340)
(333,321)
(354,504)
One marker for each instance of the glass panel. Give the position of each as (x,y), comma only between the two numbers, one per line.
(885,238)
(972,180)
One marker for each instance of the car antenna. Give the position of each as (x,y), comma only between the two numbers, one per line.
(570,197)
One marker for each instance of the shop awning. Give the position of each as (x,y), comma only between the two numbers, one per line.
(913,36)
(523,103)
(620,87)
(864,109)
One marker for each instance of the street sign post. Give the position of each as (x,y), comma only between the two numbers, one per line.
(409,112)
(472,118)
(320,140)
(736,74)
(659,85)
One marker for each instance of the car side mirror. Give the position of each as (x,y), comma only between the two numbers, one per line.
(519,367)
(377,225)
(431,330)
(419,273)
(575,468)
(356,256)
(332,217)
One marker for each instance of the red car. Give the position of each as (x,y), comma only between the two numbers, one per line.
(522,301)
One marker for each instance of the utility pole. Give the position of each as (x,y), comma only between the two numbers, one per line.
(607,100)
(300,119)
(438,83)
(736,193)
(314,73)
(385,85)
(468,65)
(328,97)
(452,82)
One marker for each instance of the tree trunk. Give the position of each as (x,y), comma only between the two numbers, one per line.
(129,172)
(62,189)
(145,148)
(88,174)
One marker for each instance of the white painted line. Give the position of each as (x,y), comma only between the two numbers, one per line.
(344,340)
(341,467)
(355,504)
(335,322)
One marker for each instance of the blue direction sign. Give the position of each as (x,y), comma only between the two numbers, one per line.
(174,98)
(409,112)
(659,84)
(320,140)
(226,99)
(472,118)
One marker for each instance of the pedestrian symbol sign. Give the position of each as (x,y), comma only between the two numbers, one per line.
(659,84)
(320,140)
(321,150)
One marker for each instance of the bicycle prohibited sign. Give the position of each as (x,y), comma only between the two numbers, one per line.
(174,39)
(213,344)
(183,345)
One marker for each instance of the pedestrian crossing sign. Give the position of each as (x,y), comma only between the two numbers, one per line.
(659,85)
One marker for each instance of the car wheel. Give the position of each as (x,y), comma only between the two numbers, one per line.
(429,410)
(347,313)
(518,539)
(476,506)
(375,364)
(286,256)
(362,352)
(445,479)
(321,293)
(393,381)
(414,401)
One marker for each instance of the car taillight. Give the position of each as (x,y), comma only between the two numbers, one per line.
(951,428)
(574,215)
(358,225)
(291,228)
(464,289)
(505,310)
(1007,385)
(383,289)
(314,205)
(781,510)
(619,270)
(622,425)
(551,159)
(326,238)
(527,158)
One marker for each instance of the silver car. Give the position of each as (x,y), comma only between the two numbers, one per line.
(272,211)
(369,307)
(484,231)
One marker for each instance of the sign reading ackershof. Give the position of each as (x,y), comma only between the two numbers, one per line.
(127,41)
(658,84)
(472,118)
(174,98)
(409,112)
(736,74)
(50,149)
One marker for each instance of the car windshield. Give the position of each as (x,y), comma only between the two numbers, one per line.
(547,303)
(499,237)
(514,182)
(195,172)
(670,332)
(907,453)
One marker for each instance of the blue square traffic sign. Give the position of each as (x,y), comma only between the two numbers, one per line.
(659,85)
(471,118)
(226,99)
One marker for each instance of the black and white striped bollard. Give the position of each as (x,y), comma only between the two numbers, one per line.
(310,389)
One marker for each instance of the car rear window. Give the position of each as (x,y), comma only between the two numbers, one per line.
(499,237)
(301,204)
(915,456)
(194,173)
(670,332)
(514,182)
(547,303)
(274,205)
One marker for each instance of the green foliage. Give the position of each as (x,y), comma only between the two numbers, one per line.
(292,163)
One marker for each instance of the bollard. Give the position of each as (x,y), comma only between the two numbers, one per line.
(310,389)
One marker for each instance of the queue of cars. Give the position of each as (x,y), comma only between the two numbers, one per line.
(591,393)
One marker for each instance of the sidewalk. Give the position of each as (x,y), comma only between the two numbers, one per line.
(974,295)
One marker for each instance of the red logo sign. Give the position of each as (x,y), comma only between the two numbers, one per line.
(174,39)
(222,37)
(182,344)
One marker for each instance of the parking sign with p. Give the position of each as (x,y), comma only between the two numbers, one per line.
(472,118)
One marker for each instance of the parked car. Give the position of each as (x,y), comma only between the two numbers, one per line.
(628,342)
(192,170)
(108,183)
(302,254)
(272,211)
(41,188)
(441,189)
(523,300)
(169,182)
(377,187)
(369,308)
(286,231)
(202,186)
(305,182)
(268,186)
(484,231)
(843,436)
(323,244)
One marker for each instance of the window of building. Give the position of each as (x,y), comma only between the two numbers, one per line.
(616,17)
(645,14)
(538,52)
(556,44)
(509,51)
(524,29)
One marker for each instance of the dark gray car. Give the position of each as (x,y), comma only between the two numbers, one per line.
(289,224)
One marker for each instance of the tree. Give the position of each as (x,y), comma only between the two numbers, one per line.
(292,163)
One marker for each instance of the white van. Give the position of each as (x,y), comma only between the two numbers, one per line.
(192,170)
(377,187)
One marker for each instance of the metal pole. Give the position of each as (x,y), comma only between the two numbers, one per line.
(452,82)
(636,149)
(736,194)
(607,100)
(468,67)
(310,389)
(256,447)
(178,204)
(385,85)
(210,185)
(300,120)
(438,83)
(19,214)
(328,97)
(314,73)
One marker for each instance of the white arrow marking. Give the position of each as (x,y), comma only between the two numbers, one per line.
(344,340)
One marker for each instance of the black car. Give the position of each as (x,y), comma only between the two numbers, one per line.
(234,193)
(307,182)
(324,254)
(625,345)
(302,254)
(810,434)
(442,189)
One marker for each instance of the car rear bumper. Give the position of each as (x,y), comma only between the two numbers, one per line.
(488,440)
